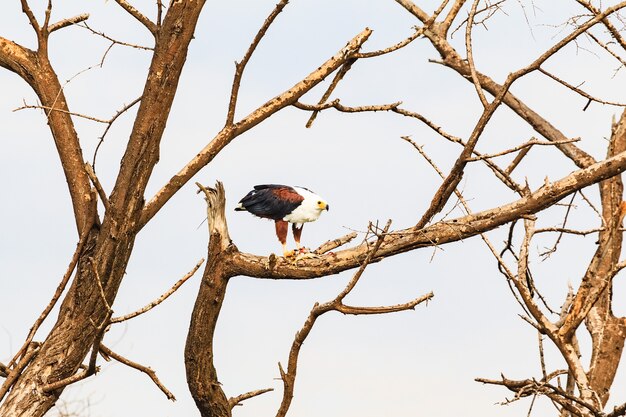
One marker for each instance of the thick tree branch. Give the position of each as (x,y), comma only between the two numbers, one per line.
(436,234)
(201,373)
(36,70)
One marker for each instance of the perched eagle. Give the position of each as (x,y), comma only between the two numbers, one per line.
(284,204)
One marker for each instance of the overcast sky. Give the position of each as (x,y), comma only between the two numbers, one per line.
(415,363)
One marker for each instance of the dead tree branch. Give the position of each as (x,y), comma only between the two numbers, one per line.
(145,369)
(235,401)
(241,66)
(139,16)
(68,22)
(289,376)
(162,298)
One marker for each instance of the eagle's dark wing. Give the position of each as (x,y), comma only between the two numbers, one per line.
(271,201)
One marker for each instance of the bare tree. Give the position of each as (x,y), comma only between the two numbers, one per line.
(37,375)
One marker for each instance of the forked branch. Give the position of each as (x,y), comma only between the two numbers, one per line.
(289,376)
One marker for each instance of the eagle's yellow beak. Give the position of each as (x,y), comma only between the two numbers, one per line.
(323,205)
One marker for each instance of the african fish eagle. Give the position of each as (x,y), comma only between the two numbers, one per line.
(284,204)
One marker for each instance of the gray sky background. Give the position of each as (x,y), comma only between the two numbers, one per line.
(416,363)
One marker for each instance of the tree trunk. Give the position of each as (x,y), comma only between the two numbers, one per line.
(607,331)
(201,374)
(105,255)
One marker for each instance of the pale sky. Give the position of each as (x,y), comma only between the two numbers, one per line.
(415,363)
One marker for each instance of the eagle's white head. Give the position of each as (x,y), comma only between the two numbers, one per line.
(310,209)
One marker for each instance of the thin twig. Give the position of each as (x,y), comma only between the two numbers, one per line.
(235,401)
(57,294)
(110,124)
(336,104)
(577,90)
(162,298)
(96,182)
(51,109)
(419,31)
(145,369)
(531,142)
(470,55)
(114,41)
(334,83)
(241,66)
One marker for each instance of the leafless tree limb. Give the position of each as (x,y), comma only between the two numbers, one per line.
(31,17)
(162,298)
(470,55)
(241,66)
(96,182)
(615,33)
(566,230)
(346,309)
(452,14)
(336,104)
(51,109)
(288,377)
(235,401)
(68,22)
(530,143)
(139,16)
(110,124)
(516,161)
(609,50)
(333,84)
(62,383)
(579,91)
(145,369)
(335,243)
(53,301)
(418,32)
(159,13)
(114,41)
(550,251)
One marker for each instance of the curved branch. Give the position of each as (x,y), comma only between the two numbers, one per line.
(36,70)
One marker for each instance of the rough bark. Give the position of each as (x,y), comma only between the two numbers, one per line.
(35,68)
(201,374)
(607,331)
(108,247)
